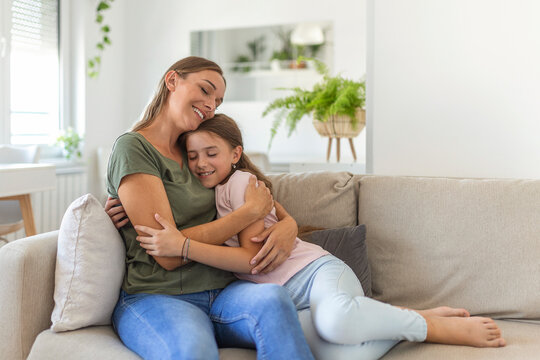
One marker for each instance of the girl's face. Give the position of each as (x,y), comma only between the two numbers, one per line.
(195,97)
(210,157)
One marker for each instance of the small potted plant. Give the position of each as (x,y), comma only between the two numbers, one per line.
(336,105)
(71,143)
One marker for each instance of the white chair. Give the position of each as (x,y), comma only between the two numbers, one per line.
(103,154)
(10,211)
(260,160)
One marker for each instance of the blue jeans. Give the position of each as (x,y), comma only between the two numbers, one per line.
(193,326)
(344,323)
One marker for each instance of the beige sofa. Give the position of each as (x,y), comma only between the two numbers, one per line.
(431,241)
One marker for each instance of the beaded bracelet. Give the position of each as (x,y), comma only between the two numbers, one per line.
(186,248)
(182,252)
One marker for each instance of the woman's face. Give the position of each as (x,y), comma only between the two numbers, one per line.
(210,157)
(195,97)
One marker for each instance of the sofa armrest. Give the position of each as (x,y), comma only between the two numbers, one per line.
(27,268)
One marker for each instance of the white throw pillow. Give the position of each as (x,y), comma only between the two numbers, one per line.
(90,266)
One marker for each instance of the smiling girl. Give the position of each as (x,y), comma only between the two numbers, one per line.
(341,314)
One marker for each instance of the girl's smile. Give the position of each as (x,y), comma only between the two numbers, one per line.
(210,158)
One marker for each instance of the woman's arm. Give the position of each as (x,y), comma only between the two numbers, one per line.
(142,195)
(279,242)
(235,259)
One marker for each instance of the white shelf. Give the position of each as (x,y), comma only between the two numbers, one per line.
(271,73)
(307,166)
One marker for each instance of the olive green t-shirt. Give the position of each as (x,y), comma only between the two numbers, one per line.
(191,204)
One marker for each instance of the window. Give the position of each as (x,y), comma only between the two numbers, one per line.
(30,61)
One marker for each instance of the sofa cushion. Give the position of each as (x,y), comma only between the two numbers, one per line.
(321,199)
(95,342)
(521,338)
(100,342)
(456,242)
(349,245)
(90,266)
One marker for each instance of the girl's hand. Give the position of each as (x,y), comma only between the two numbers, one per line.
(161,242)
(115,210)
(280,240)
(258,198)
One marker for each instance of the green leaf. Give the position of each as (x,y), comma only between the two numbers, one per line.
(97,59)
(106,40)
(102,6)
(275,125)
(90,63)
(99,18)
(100,46)
(70,142)
(105,28)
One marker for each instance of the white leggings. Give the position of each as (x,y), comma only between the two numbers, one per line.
(344,323)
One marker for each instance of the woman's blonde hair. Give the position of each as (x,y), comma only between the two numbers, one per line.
(227,129)
(188,65)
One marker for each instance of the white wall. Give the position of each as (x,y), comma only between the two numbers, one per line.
(158,34)
(148,36)
(453,87)
(105,96)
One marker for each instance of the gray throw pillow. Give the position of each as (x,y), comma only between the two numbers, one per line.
(349,245)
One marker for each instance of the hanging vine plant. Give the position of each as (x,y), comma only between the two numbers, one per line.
(94,63)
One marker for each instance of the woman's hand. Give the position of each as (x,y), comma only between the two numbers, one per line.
(280,240)
(115,210)
(165,242)
(258,198)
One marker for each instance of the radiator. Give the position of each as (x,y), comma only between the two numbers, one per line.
(49,206)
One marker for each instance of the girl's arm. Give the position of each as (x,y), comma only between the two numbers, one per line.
(279,242)
(141,205)
(258,203)
(115,210)
(235,259)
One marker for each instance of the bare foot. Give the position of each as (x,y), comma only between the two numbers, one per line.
(471,331)
(444,311)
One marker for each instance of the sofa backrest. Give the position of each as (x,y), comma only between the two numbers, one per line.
(319,199)
(457,242)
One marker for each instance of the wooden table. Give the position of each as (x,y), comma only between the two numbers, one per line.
(18,181)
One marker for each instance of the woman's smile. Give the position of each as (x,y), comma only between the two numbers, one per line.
(199,112)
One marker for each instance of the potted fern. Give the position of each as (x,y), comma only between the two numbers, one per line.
(336,105)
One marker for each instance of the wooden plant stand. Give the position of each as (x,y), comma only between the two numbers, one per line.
(339,127)
(338,148)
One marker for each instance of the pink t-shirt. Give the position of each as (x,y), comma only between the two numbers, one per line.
(230,197)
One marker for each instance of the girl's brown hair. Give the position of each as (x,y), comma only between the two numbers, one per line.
(188,65)
(227,129)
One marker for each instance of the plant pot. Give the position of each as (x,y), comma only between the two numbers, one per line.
(294,64)
(339,126)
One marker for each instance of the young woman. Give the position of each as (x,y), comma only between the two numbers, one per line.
(170,308)
(341,313)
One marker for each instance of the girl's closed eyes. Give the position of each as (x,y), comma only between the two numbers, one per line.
(210,157)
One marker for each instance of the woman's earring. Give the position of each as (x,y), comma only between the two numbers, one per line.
(234,166)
